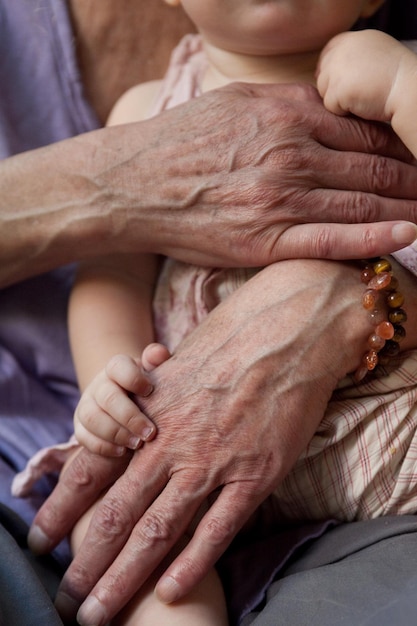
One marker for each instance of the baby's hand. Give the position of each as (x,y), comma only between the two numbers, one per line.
(107,420)
(358,72)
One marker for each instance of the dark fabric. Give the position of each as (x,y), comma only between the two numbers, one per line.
(268,552)
(27,583)
(357,574)
(397,17)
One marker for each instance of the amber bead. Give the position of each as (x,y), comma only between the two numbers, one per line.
(380,281)
(371,359)
(398,316)
(399,333)
(383,300)
(385,330)
(366,274)
(395,299)
(376,342)
(369,299)
(381,265)
(377,316)
(393,286)
(390,349)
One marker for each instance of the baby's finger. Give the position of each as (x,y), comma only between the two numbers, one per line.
(95,444)
(90,417)
(125,423)
(124,371)
(153,355)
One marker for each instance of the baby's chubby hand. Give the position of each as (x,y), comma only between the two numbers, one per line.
(107,419)
(358,72)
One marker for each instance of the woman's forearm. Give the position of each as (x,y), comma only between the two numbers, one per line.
(55,208)
(207,183)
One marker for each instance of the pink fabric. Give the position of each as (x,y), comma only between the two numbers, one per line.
(46,461)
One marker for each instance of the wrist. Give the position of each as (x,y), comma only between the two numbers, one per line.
(401,110)
(61,203)
(385,302)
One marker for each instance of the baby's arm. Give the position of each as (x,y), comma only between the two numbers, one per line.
(110,314)
(110,322)
(373,76)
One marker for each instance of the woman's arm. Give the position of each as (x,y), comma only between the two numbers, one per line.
(252,174)
(234,413)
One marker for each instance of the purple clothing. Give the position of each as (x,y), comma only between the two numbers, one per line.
(41,102)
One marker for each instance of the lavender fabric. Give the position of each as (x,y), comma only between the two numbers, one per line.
(41,101)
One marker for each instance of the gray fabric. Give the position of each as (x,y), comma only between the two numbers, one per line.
(27,583)
(358,574)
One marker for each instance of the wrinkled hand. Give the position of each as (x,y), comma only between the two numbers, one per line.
(252,174)
(234,408)
(258,173)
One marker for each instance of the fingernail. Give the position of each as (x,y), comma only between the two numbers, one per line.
(38,541)
(147,391)
(66,606)
(147,432)
(134,443)
(404,233)
(167,590)
(92,613)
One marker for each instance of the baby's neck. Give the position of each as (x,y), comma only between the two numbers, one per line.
(226,67)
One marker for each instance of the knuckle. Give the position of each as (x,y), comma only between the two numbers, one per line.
(110,397)
(86,414)
(383,175)
(367,209)
(323,245)
(78,474)
(114,364)
(156,529)
(111,518)
(219,531)
(305,91)
(370,241)
(357,208)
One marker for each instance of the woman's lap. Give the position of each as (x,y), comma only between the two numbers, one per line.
(357,573)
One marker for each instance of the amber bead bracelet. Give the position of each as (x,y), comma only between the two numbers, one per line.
(383,300)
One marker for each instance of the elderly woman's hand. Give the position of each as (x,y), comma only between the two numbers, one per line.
(259,173)
(234,408)
(243,176)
